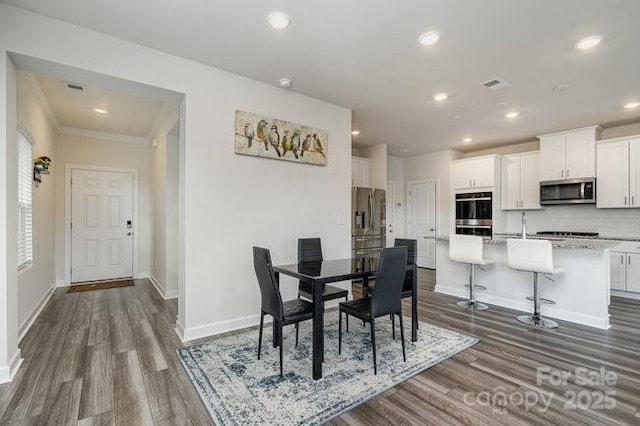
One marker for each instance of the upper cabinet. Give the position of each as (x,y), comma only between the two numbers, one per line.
(360,172)
(479,172)
(570,154)
(520,181)
(618,175)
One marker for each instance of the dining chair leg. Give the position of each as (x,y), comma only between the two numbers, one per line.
(373,344)
(340,332)
(281,345)
(404,353)
(346,299)
(297,330)
(393,327)
(260,335)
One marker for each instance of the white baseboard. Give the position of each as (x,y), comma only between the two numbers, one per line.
(625,294)
(141,275)
(527,306)
(165,294)
(26,325)
(209,330)
(8,372)
(61,283)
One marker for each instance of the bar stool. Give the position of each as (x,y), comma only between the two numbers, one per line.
(468,249)
(533,256)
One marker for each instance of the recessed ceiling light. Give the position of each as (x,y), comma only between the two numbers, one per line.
(429,38)
(285,83)
(100,111)
(455,116)
(355,132)
(632,105)
(560,87)
(512,114)
(440,97)
(278,20)
(588,42)
(467,139)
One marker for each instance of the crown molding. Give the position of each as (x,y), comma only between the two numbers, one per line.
(32,83)
(117,137)
(168,111)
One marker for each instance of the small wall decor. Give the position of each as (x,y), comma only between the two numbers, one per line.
(262,136)
(40,167)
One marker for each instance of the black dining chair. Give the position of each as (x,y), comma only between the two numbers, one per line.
(310,250)
(385,297)
(283,313)
(407,286)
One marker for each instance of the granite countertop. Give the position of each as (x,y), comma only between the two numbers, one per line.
(598,238)
(556,242)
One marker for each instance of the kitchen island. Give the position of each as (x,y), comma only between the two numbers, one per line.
(581,293)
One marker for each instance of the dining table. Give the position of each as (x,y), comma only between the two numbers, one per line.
(324,272)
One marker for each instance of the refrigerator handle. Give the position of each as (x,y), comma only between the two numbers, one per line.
(371,210)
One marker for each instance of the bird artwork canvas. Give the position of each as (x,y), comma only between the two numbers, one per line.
(261,136)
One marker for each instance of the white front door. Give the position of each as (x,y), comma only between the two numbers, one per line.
(101,225)
(390,203)
(422,221)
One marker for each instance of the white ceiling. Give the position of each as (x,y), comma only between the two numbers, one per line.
(364,55)
(128,114)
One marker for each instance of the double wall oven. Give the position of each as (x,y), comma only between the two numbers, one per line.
(474,214)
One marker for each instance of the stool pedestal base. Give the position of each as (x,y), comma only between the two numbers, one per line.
(537,321)
(474,306)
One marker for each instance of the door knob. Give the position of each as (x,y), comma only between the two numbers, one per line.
(130,233)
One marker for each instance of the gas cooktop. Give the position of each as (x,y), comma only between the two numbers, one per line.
(569,234)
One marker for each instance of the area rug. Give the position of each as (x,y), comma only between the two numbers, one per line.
(102,285)
(239,389)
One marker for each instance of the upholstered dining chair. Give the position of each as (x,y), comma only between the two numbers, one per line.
(283,313)
(385,297)
(310,250)
(407,286)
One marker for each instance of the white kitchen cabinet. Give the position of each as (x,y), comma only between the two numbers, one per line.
(618,271)
(568,155)
(633,272)
(618,174)
(520,181)
(476,172)
(360,172)
(625,271)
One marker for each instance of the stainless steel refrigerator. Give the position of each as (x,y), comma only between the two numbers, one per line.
(368,221)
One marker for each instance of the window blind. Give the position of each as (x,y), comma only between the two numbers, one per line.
(25,203)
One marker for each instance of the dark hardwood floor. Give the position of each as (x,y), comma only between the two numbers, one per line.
(108,357)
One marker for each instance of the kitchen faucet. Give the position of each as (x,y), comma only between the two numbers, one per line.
(524,226)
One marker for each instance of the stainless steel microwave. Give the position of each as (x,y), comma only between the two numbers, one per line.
(568,191)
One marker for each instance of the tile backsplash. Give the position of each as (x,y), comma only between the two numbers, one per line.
(587,218)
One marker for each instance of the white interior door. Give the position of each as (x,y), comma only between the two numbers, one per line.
(422,221)
(390,203)
(101,225)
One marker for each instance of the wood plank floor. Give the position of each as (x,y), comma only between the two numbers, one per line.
(108,357)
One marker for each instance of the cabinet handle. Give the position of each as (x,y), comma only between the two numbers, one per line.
(567,172)
(622,260)
(629,259)
(562,173)
(625,200)
(470,184)
(633,203)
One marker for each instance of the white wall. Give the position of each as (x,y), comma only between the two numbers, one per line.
(396,174)
(9,351)
(377,155)
(436,166)
(87,151)
(231,202)
(35,282)
(164,195)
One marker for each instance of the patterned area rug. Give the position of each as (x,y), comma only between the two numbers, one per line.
(239,389)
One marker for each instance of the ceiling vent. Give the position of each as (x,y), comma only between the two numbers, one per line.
(495,84)
(75,88)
